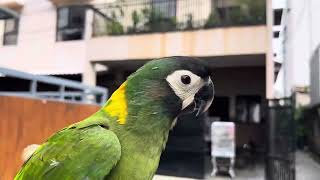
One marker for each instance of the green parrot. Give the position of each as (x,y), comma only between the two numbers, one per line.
(125,138)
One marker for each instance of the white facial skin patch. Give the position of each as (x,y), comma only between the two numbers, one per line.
(185,90)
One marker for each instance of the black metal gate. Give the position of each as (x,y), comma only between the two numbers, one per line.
(280,161)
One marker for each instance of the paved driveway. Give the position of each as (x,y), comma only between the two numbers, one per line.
(306,169)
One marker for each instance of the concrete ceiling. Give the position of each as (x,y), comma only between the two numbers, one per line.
(213,62)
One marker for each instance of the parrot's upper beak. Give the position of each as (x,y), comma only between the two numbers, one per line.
(202,99)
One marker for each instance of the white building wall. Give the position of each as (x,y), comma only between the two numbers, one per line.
(315,78)
(37,50)
(1,32)
(302,39)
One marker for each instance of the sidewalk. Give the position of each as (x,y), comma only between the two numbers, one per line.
(306,169)
(256,173)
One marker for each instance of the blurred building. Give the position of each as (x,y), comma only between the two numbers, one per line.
(297,49)
(101,42)
(296,45)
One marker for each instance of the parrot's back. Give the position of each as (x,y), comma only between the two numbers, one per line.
(74,153)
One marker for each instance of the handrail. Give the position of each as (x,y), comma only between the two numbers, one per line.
(85,93)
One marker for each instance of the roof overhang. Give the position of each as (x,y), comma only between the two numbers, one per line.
(10,8)
(15,5)
(6,13)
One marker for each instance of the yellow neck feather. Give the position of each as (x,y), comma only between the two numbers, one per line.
(117,104)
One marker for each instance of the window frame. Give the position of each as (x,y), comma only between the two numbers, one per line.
(169,6)
(14,32)
(249,100)
(68,26)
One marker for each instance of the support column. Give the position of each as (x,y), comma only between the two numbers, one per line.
(88,25)
(89,76)
(1,32)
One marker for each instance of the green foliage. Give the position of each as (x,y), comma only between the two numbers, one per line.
(190,22)
(299,116)
(254,11)
(136,18)
(213,20)
(238,16)
(114,27)
(155,21)
(243,12)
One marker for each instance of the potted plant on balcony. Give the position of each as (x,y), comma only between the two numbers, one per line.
(136,19)
(212,21)
(155,21)
(113,26)
(252,11)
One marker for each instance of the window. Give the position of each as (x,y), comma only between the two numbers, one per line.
(248,109)
(166,8)
(230,14)
(277,15)
(10,35)
(71,23)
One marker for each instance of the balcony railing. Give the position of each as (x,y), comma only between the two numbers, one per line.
(67,90)
(147,16)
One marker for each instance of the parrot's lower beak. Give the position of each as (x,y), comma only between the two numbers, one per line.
(202,99)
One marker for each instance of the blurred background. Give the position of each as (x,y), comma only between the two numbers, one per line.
(61,59)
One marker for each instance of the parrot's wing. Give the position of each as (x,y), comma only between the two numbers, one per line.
(74,153)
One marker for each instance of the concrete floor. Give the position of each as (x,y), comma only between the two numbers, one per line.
(306,169)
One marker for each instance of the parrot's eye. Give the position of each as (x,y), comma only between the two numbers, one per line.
(185,79)
(185,85)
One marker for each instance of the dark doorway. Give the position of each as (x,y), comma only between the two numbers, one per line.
(220,108)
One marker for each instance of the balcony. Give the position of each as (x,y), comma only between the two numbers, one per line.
(150,16)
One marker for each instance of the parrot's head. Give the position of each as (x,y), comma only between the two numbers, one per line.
(160,91)
(171,85)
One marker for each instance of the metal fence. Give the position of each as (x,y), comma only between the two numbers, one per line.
(143,16)
(68,90)
(280,162)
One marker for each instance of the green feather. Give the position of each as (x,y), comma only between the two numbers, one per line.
(73,153)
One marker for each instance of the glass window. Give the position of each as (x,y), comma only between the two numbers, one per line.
(10,35)
(164,7)
(71,23)
(248,109)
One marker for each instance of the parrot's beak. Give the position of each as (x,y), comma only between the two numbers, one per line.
(202,99)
